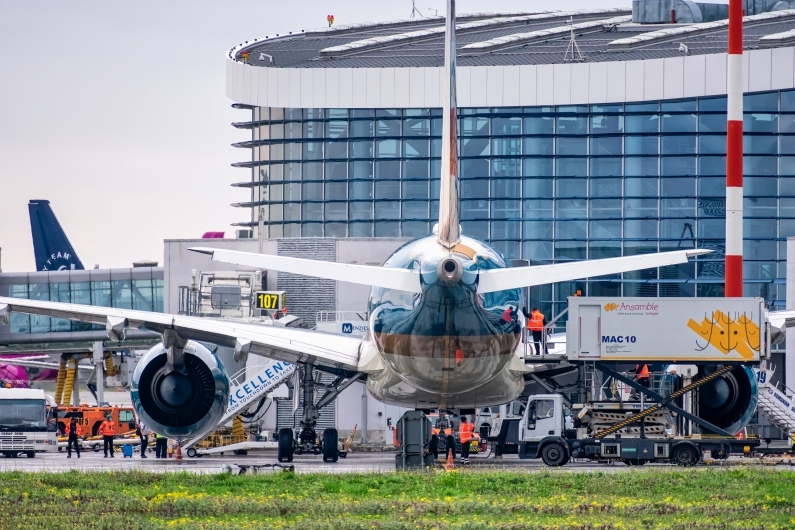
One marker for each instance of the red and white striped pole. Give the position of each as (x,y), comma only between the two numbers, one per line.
(734,154)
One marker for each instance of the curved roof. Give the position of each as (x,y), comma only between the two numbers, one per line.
(491,39)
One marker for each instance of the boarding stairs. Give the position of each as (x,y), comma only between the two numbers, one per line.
(775,403)
(245,390)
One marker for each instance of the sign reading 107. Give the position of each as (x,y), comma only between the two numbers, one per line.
(270,300)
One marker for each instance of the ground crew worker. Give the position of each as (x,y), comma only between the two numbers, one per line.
(161,446)
(535,324)
(465,431)
(108,431)
(143,435)
(643,374)
(73,431)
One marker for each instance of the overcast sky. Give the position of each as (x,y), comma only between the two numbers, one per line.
(115,112)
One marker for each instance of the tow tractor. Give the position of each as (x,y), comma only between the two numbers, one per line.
(541,433)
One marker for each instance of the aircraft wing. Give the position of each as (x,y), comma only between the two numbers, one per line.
(28,363)
(517,277)
(287,344)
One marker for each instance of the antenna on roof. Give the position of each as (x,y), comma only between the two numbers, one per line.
(573,53)
(414,10)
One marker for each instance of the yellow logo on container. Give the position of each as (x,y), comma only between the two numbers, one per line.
(612,306)
(728,334)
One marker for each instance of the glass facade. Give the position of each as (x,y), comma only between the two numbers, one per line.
(548,184)
(140,290)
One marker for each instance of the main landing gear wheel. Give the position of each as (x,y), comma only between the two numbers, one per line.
(284,451)
(330,451)
(554,455)
(192,452)
(685,455)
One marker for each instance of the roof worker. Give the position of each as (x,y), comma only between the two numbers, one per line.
(73,431)
(108,431)
(465,431)
(535,324)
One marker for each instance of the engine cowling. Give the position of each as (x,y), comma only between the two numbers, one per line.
(729,401)
(180,405)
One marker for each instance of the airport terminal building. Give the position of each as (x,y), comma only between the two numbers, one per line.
(613,144)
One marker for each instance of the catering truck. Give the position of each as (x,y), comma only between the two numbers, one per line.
(698,388)
(27,423)
(542,433)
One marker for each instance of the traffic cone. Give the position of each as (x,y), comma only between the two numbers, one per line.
(179,450)
(450,464)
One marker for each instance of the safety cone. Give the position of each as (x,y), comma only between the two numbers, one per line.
(450,464)
(179,450)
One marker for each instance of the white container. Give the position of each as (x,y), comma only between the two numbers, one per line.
(683,330)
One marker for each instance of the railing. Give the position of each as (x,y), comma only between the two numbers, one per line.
(342,316)
(188,301)
(527,336)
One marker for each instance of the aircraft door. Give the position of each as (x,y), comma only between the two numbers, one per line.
(590,331)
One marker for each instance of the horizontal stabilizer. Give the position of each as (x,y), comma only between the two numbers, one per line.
(518,277)
(386,277)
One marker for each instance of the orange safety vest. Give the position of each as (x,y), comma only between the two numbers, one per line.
(465,431)
(506,315)
(78,430)
(644,372)
(107,428)
(536,322)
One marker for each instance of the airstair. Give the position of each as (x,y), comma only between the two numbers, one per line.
(247,390)
(775,404)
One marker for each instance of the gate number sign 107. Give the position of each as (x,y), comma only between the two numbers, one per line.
(271,300)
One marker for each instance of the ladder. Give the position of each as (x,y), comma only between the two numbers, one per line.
(245,391)
(774,403)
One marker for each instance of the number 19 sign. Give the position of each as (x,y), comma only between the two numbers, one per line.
(270,300)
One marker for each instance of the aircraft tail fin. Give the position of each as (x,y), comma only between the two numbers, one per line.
(51,245)
(449,219)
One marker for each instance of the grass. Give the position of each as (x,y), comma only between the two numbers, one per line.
(644,499)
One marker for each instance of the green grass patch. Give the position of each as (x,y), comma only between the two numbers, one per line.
(738,498)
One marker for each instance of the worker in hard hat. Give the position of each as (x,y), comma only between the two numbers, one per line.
(465,431)
(73,432)
(108,431)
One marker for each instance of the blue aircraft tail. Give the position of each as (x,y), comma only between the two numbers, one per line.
(51,246)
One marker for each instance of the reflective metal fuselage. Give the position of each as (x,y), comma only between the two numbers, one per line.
(447,346)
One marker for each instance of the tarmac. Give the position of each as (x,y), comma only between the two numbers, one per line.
(265,461)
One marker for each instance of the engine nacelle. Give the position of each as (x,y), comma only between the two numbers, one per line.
(729,401)
(180,405)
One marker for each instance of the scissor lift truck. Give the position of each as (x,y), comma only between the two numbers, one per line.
(541,433)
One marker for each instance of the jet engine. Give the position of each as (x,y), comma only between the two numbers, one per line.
(730,400)
(180,403)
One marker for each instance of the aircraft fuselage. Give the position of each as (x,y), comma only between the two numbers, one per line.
(448,345)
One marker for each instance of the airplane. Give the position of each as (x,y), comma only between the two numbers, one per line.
(51,245)
(440,337)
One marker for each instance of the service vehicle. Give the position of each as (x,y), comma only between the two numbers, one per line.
(27,423)
(541,433)
(90,418)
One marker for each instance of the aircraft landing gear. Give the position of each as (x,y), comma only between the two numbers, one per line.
(309,441)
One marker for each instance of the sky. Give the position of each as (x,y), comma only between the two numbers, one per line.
(116,113)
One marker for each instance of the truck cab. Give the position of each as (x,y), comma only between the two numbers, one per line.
(541,430)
